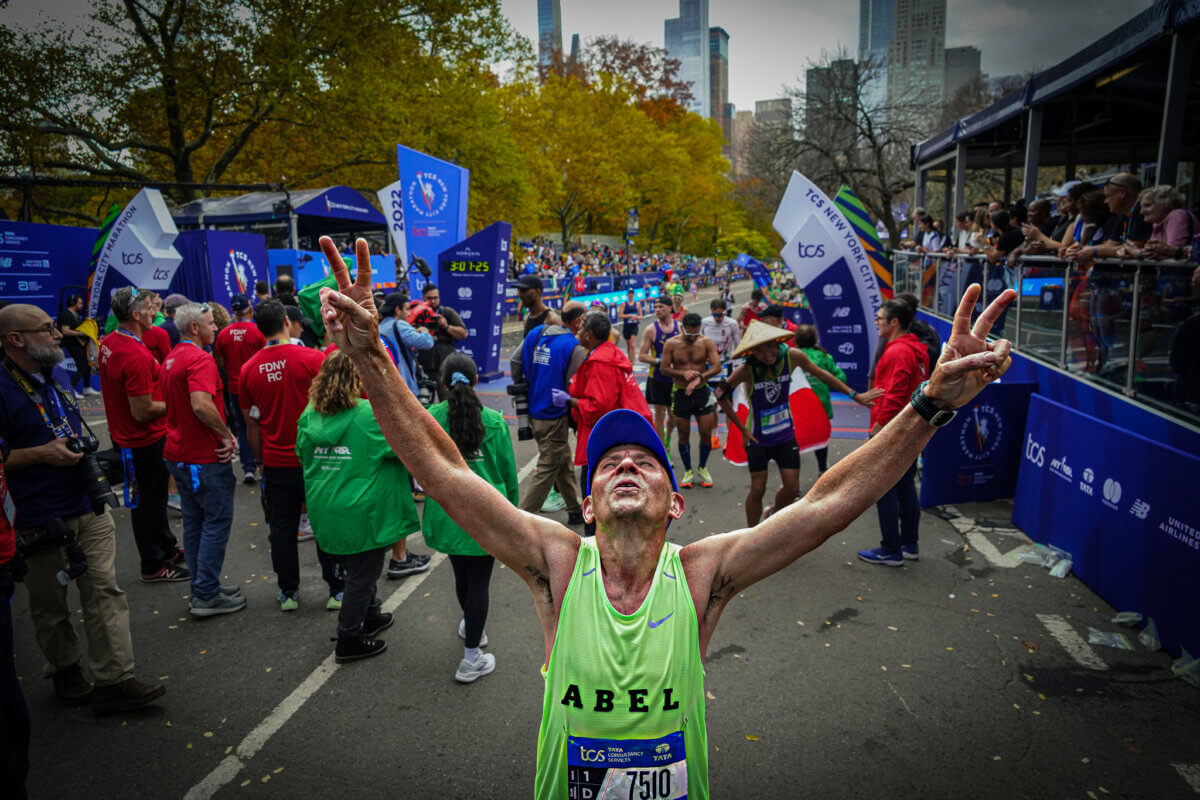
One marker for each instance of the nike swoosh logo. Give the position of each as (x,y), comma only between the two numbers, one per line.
(654,624)
(589,572)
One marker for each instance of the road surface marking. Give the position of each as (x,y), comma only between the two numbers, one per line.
(1072,642)
(527,470)
(1190,773)
(232,764)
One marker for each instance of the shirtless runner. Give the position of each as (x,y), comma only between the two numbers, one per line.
(690,359)
(626,616)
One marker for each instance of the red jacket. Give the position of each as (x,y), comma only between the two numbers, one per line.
(902,367)
(603,383)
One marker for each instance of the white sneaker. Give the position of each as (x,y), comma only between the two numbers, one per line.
(305,525)
(468,672)
(554,503)
(89,392)
(462,633)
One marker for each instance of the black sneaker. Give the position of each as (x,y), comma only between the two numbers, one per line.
(71,688)
(353,648)
(411,565)
(168,573)
(375,623)
(575,518)
(126,695)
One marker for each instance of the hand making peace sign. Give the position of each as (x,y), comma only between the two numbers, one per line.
(349,311)
(969,361)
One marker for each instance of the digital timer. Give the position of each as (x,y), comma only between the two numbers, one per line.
(470,266)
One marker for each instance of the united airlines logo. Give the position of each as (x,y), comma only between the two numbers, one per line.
(427,195)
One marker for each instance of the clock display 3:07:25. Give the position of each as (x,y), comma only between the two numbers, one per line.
(470,266)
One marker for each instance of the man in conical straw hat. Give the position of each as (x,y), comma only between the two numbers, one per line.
(767,373)
(626,616)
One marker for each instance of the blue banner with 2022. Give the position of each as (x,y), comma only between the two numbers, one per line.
(1124,506)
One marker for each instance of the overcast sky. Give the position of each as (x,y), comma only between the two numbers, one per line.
(771,42)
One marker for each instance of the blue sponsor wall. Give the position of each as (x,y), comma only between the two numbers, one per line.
(435,207)
(1123,506)
(219,264)
(38,261)
(473,279)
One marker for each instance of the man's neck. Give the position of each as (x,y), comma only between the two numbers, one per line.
(537,309)
(629,557)
(189,340)
(131,325)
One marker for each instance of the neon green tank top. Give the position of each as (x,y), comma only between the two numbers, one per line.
(623,712)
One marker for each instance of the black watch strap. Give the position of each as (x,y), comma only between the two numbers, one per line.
(935,416)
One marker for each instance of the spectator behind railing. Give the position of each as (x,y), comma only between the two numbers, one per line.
(1088,232)
(1173,225)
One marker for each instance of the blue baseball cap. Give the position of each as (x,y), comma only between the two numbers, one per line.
(623,427)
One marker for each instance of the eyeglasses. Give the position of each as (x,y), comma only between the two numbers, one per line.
(47,328)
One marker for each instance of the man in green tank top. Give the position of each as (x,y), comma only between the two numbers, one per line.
(626,616)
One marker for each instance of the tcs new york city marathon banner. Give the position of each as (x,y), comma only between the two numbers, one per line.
(473,278)
(135,247)
(219,264)
(433,208)
(829,262)
(1124,506)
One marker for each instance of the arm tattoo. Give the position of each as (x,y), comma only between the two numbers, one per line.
(543,584)
(719,594)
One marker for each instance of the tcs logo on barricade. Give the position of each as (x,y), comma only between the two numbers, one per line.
(1035,452)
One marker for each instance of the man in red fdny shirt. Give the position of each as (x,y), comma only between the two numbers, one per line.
(198,451)
(235,343)
(903,366)
(274,391)
(133,405)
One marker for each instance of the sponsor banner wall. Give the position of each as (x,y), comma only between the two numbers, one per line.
(219,264)
(976,457)
(37,262)
(435,207)
(473,281)
(828,259)
(1123,506)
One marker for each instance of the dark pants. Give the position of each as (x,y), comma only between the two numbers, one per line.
(900,513)
(822,455)
(472,575)
(14,714)
(359,599)
(78,354)
(285,492)
(156,543)
(238,422)
(589,528)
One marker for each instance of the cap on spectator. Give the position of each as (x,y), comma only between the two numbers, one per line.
(174,301)
(391,303)
(238,303)
(663,299)
(294,314)
(1066,187)
(773,310)
(530,282)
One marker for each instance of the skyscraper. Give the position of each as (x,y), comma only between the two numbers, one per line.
(549,30)
(739,141)
(876,26)
(917,53)
(773,112)
(962,66)
(686,39)
(831,103)
(718,79)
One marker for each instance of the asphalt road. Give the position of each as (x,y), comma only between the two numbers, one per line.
(832,679)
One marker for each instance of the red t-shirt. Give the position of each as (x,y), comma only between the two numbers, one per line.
(159,342)
(276,380)
(189,369)
(128,369)
(235,344)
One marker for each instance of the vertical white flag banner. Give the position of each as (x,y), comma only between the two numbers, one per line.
(139,251)
(825,254)
(391,200)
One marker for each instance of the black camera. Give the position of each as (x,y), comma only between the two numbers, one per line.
(520,395)
(86,444)
(55,533)
(426,391)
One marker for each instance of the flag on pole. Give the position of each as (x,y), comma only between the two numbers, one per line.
(856,214)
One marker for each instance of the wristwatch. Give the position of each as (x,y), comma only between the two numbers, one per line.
(935,416)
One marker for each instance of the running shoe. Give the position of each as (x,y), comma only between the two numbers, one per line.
(230,591)
(462,633)
(178,558)
(89,392)
(716,442)
(705,477)
(554,502)
(167,573)
(881,556)
(686,481)
(248,478)
(910,552)
(305,532)
(468,672)
(219,603)
(288,601)
(334,603)
(411,565)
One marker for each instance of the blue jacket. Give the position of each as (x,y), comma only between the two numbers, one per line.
(545,360)
(408,339)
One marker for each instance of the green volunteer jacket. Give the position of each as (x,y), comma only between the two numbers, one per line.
(825,362)
(358,493)
(496,464)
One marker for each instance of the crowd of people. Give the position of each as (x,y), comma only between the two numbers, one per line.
(343,448)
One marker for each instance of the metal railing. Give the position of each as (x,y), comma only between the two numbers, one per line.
(1114,322)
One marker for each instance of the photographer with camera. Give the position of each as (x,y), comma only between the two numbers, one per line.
(133,404)
(545,363)
(60,495)
(447,328)
(409,340)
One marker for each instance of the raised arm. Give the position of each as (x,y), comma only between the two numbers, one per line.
(524,542)
(726,564)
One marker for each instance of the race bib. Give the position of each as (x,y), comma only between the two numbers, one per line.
(627,769)
(775,419)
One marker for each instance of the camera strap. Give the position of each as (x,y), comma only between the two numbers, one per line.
(63,429)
